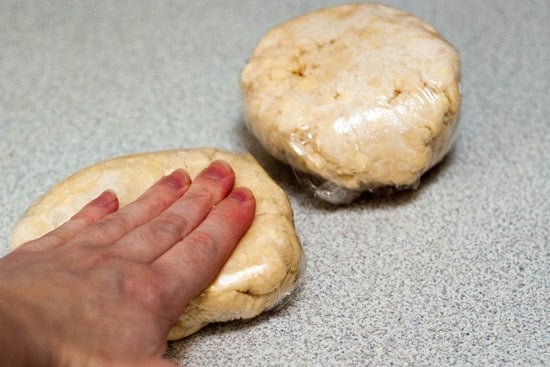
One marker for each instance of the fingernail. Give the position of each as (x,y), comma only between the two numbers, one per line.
(218,169)
(241,194)
(177,179)
(105,199)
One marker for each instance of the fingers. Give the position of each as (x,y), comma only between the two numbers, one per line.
(193,263)
(150,204)
(96,209)
(151,240)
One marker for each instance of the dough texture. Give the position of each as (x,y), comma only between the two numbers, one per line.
(260,272)
(360,95)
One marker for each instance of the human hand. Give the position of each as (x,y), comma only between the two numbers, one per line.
(104,288)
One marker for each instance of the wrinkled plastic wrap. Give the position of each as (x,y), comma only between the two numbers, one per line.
(355,98)
(262,271)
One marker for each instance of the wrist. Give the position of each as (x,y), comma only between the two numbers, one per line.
(19,344)
(12,346)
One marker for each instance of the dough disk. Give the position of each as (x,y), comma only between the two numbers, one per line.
(260,272)
(360,95)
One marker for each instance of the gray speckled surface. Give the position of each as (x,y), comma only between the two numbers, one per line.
(453,273)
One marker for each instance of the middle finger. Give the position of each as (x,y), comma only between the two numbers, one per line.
(151,240)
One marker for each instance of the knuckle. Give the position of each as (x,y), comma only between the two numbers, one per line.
(228,216)
(85,215)
(146,288)
(200,195)
(64,232)
(171,224)
(198,201)
(205,243)
(115,221)
(157,200)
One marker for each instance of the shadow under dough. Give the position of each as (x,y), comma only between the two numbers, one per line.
(295,184)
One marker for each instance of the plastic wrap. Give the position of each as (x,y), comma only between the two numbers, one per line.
(262,271)
(355,98)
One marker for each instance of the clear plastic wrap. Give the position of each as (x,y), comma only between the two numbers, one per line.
(262,271)
(355,98)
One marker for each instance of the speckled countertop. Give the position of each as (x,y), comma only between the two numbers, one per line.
(456,272)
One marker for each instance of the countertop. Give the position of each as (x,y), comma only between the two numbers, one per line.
(453,273)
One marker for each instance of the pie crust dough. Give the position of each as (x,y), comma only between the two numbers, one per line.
(360,95)
(261,271)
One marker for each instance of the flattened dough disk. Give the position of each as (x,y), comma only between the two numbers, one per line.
(260,272)
(360,95)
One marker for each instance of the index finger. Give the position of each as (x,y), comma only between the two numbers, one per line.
(150,204)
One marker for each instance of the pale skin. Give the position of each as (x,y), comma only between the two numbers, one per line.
(105,288)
